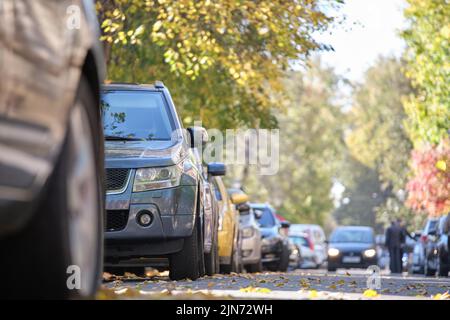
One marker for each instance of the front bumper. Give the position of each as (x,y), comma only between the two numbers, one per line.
(251,249)
(173,215)
(340,262)
(271,249)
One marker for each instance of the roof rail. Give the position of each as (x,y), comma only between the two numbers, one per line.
(159,84)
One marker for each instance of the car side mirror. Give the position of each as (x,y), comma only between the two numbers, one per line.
(243,208)
(217,169)
(238,198)
(285,224)
(258,213)
(198,137)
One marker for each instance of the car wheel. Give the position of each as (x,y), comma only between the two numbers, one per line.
(443,269)
(284,259)
(186,263)
(234,265)
(211,259)
(62,245)
(427,270)
(237,257)
(331,268)
(254,267)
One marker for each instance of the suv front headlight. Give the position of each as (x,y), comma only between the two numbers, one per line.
(157,178)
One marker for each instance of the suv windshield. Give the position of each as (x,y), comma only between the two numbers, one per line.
(138,115)
(352,235)
(266,220)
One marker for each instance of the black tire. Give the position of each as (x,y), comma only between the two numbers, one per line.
(228,268)
(45,248)
(186,263)
(237,265)
(443,269)
(284,259)
(212,258)
(201,250)
(254,267)
(272,267)
(331,268)
(427,270)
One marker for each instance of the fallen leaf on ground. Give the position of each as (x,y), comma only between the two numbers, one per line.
(255,289)
(441,296)
(313,294)
(369,293)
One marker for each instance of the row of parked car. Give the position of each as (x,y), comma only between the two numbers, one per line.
(430,251)
(93,176)
(164,206)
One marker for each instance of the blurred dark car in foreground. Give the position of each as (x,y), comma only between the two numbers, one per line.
(352,247)
(51,149)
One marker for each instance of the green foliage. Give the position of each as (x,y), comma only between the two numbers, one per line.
(310,147)
(379,147)
(221,57)
(428,56)
(362,195)
(378,138)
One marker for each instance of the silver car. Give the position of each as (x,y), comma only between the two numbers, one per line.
(251,240)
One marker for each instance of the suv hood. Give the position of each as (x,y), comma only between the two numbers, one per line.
(139,154)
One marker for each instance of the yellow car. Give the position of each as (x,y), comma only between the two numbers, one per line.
(228,236)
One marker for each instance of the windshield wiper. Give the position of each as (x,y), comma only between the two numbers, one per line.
(120,138)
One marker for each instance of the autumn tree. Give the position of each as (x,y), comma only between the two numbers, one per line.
(378,140)
(311,142)
(223,60)
(428,109)
(428,56)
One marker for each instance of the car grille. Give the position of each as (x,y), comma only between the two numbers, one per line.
(116,220)
(116,179)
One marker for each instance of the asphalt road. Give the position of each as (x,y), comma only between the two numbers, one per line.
(296,284)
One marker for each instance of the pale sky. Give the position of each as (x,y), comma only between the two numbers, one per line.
(371,29)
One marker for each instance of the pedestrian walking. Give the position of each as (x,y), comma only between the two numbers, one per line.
(394,243)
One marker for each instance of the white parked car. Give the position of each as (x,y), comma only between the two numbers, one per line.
(317,236)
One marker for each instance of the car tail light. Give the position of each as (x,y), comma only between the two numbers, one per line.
(424,238)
